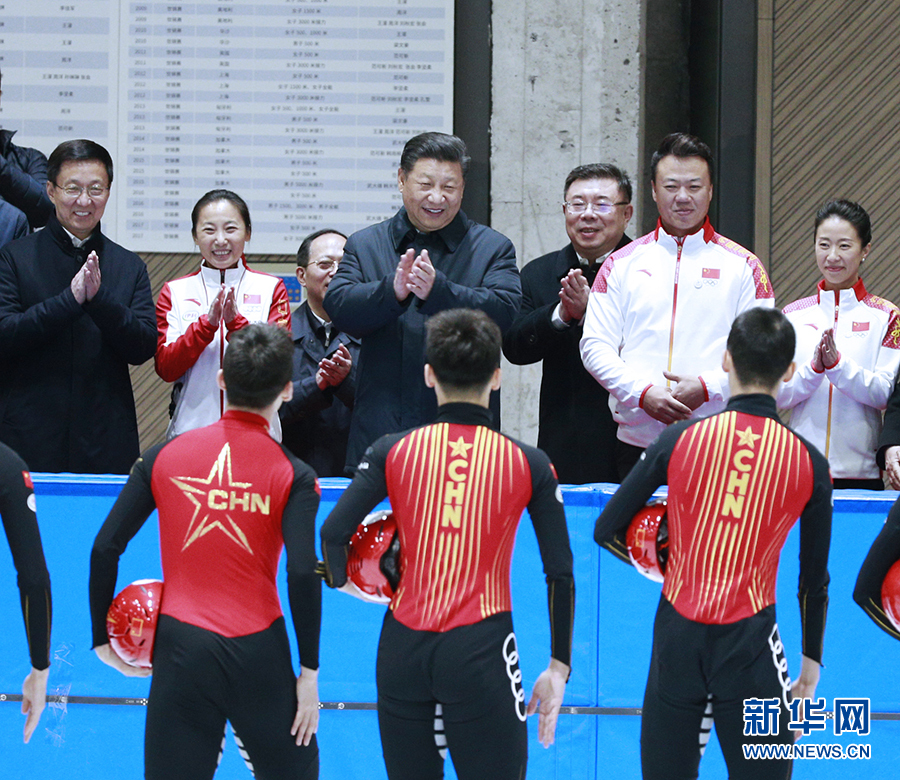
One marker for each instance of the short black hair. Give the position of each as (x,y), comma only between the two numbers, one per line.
(214,196)
(79,150)
(306,244)
(435,146)
(847,210)
(600,171)
(681,145)
(462,346)
(257,365)
(762,344)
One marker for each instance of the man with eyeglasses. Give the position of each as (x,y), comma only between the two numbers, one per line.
(75,311)
(660,309)
(576,428)
(315,423)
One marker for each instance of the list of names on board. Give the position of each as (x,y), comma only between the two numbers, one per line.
(300,106)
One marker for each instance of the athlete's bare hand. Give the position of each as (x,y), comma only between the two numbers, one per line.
(351,590)
(661,405)
(106,654)
(816,359)
(547,698)
(216,308)
(229,306)
(892,466)
(828,349)
(34,699)
(306,721)
(804,686)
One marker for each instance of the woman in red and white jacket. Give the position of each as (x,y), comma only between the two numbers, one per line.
(848,352)
(197,314)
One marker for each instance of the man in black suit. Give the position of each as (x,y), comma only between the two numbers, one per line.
(576,428)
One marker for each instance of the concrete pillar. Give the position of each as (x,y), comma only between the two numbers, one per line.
(566,92)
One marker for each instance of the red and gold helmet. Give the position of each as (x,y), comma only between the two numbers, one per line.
(890,594)
(131,622)
(648,541)
(372,558)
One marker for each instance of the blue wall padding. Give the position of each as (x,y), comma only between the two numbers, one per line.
(615,608)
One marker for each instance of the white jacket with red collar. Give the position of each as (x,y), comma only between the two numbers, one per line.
(839,410)
(190,349)
(665,303)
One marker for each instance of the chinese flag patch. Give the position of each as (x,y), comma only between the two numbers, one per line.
(28,483)
(710,273)
(248,298)
(859,327)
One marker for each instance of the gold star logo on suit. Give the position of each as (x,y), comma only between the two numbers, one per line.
(747,438)
(459,448)
(196,487)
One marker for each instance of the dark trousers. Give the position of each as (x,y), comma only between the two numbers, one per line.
(201,680)
(626,456)
(858,484)
(694,663)
(466,682)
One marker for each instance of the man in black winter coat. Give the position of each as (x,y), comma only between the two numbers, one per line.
(427,258)
(315,423)
(576,428)
(75,311)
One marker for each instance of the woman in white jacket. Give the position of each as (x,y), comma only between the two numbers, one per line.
(848,351)
(197,314)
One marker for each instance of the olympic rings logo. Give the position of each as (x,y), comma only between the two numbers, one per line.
(511,658)
(781,665)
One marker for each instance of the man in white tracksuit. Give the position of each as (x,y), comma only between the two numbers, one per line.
(661,308)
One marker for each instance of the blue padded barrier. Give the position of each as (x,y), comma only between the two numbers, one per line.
(596,738)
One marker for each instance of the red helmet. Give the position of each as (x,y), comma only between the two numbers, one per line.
(131,622)
(372,559)
(890,594)
(648,541)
